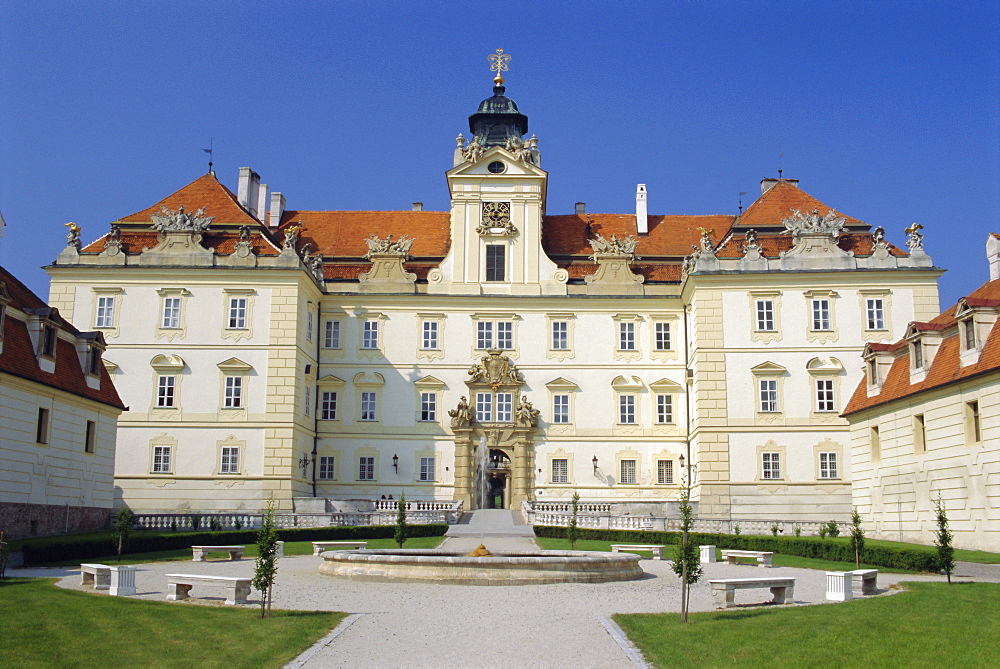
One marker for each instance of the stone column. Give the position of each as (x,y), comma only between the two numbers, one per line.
(521,470)
(464,467)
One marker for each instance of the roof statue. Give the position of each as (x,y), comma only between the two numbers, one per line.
(624,246)
(292,236)
(73,238)
(377,245)
(829,224)
(180,221)
(914,240)
(706,240)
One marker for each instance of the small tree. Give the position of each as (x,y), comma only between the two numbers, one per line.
(687,563)
(833,529)
(736,529)
(775,528)
(573,531)
(266,567)
(4,552)
(400,534)
(124,521)
(857,537)
(942,539)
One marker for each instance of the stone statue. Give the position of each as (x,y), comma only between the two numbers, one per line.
(377,245)
(460,415)
(292,236)
(115,236)
(181,221)
(473,151)
(527,416)
(706,240)
(73,238)
(315,263)
(476,373)
(828,224)
(878,235)
(245,233)
(914,240)
(615,246)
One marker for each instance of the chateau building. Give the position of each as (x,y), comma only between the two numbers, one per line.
(494,353)
(59,408)
(925,424)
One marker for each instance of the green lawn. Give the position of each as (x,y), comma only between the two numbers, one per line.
(932,625)
(45,626)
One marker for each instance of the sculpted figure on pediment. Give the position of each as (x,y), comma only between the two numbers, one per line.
(829,224)
(377,245)
(615,246)
(180,220)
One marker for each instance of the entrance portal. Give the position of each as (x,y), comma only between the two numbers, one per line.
(499,474)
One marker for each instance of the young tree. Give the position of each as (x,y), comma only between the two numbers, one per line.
(400,534)
(124,521)
(267,559)
(3,556)
(942,539)
(573,531)
(687,564)
(857,537)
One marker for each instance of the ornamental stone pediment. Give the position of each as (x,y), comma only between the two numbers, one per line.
(495,370)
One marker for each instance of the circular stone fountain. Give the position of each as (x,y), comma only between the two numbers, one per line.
(521,568)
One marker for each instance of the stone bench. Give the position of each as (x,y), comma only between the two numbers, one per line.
(763,558)
(724,590)
(179,586)
(96,575)
(320,546)
(201,552)
(868,579)
(655,549)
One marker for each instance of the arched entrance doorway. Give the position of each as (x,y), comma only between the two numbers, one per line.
(499,480)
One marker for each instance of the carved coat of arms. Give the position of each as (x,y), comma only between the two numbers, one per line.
(495,370)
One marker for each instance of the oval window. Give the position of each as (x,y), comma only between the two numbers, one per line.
(497,167)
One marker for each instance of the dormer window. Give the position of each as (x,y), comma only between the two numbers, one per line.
(969,334)
(94,366)
(918,354)
(47,341)
(873,379)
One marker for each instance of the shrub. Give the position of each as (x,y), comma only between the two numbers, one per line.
(833,529)
(823,530)
(775,528)
(798,530)
(195,522)
(736,529)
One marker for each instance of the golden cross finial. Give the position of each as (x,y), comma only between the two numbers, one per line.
(499,62)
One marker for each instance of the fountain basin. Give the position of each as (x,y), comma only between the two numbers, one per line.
(512,568)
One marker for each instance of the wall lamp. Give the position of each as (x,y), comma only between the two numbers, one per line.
(595,464)
(395,463)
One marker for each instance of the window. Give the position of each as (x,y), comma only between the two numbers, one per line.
(171,313)
(664,472)
(502,403)
(328,405)
(47,345)
(974,421)
(875,312)
(428,407)
(234,392)
(366,468)
(627,472)
(560,470)
(230,462)
(765,315)
(821,314)
(560,409)
(161,459)
(771,465)
(504,335)
(664,409)
(824,395)
(90,438)
(326,468)
(919,434)
(237,313)
(105,312)
(828,465)
(661,337)
(331,334)
(876,443)
(309,325)
(165,391)
(42,426)
(496,262)
(505,407)
(429,341)
(484,408)
(94,364)
(969,329)
(368,406)
(426,469)
(918,355)
(768,395)
(369,335)
(873,372)
(307,401)
(626,409)
(626,336)
(484,335)
(560,335)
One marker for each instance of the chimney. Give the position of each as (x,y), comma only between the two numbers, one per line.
(418,206)
(248,190)
(768,184)
(263,197)
(993,255)
(581,207)
(277,209)
(641,210)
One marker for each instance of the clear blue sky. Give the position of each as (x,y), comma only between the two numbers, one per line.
(887,111)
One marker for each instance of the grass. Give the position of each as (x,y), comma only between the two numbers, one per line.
(65,628)
(932,625)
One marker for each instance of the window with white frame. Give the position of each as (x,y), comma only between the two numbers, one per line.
(825,399)
(661,336)
(327,470)
(428,406)
(505,407)
(768,395)
(161,459)
(664,472)
(237,313)
(234,392)
(628,472)
(427,469)
(496,262)
(105,311)
(48,341)
(369,335)
(560,335)
(308,400)
(918,354)
(560,409)
(626,409)
(973,422)
(504,335)
(366,468)
(328,405)
(429,336)
(821,314)
(765,315)
(331,334)
(484,408)
(626,336)
(368,405)
(166,387)
(171,313)
(873,378)
(875,313)
(828,466)
(560,470)
(969,332)
(770,465)
(497,407)
(664,409)
(230,461)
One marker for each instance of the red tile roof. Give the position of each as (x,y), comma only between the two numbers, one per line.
(224,242)
(668,235)
(205,191)
(18,355)
(944,369)
(773,245)
(778,202)
(342,233)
